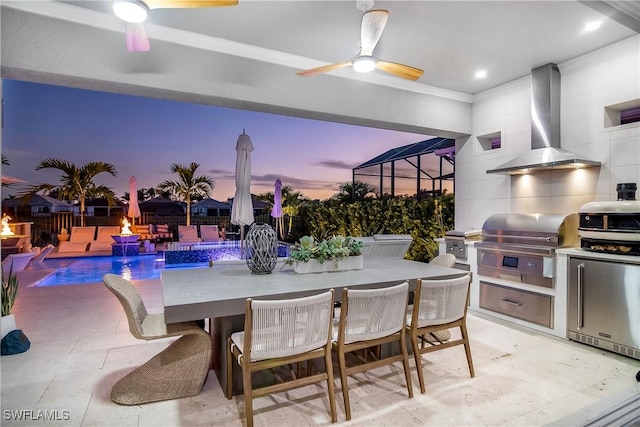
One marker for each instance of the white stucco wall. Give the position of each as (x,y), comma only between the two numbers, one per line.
(588,84)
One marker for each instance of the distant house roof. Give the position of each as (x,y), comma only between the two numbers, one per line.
(257,202)
(211,204)
(37,200)
(161,205)
(103,202)
(416,149)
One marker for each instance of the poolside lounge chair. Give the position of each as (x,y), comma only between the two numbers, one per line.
(144,231)
(162,232)
(79,240)
(16,262)
(209,233)
(188,234)
(178,371)
(103,240)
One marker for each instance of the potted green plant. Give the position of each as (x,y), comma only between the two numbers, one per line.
(9,292)
(337,253)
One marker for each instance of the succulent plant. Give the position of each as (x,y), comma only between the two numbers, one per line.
(331,249)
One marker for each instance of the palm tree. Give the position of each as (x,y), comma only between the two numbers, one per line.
(291,202)
(144,194)
(189,186)
(356,191)
(76,183)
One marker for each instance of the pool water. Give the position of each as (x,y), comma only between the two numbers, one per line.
(92,269)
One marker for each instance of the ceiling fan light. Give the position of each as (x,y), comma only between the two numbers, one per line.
(364,64)
(131,11)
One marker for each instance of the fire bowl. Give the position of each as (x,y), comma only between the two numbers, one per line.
(125,238)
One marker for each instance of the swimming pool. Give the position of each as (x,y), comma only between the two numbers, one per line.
(73,271)
(92,269)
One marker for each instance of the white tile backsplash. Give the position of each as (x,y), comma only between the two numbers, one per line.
(588,86)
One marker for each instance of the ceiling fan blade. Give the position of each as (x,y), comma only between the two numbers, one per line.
(179,4)
(399,70)
(137,39)
(323,69)
(373,23)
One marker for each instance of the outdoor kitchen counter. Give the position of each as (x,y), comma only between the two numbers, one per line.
(576,252)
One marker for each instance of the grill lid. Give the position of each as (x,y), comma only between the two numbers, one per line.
(532,229)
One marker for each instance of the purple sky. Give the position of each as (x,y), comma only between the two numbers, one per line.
(144,136)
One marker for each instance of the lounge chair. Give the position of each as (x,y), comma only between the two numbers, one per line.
(209,233)
(16,262)
(103,240)
(162,232)
(144,231)
(188,234)
(79,240)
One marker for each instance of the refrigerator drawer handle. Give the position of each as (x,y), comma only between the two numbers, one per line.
(508,301)
(579,296)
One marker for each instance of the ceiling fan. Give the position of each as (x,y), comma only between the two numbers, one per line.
(134,13)
(373,22)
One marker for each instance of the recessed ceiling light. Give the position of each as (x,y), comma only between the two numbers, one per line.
(481,74)
(592,26)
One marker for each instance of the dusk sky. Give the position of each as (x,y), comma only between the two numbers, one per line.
(144,136)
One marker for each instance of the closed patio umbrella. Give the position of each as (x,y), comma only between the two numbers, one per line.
(276,211)
(242,208)
(134,208)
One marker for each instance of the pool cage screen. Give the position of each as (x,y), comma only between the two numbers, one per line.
(419,169)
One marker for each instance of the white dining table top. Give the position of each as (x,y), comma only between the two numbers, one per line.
(192,294)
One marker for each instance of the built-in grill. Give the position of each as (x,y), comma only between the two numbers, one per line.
(517,255)
(521,247)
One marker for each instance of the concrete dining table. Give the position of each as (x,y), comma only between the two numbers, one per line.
(219,293)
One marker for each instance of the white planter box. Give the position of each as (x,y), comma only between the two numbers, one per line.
(313,266)
(7,324)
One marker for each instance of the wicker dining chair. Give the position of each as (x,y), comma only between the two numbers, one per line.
(282,332)
(443,260)
(442,304)
(370,318)
(178,371)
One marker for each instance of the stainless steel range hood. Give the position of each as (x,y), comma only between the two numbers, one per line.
(545,151)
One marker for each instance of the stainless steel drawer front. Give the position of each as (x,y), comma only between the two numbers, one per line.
(529,306)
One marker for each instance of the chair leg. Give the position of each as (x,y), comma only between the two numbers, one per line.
(248,395)
(405,362)
(328,364)
(467,348)
(343,380)
(230,358)
(417,358)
